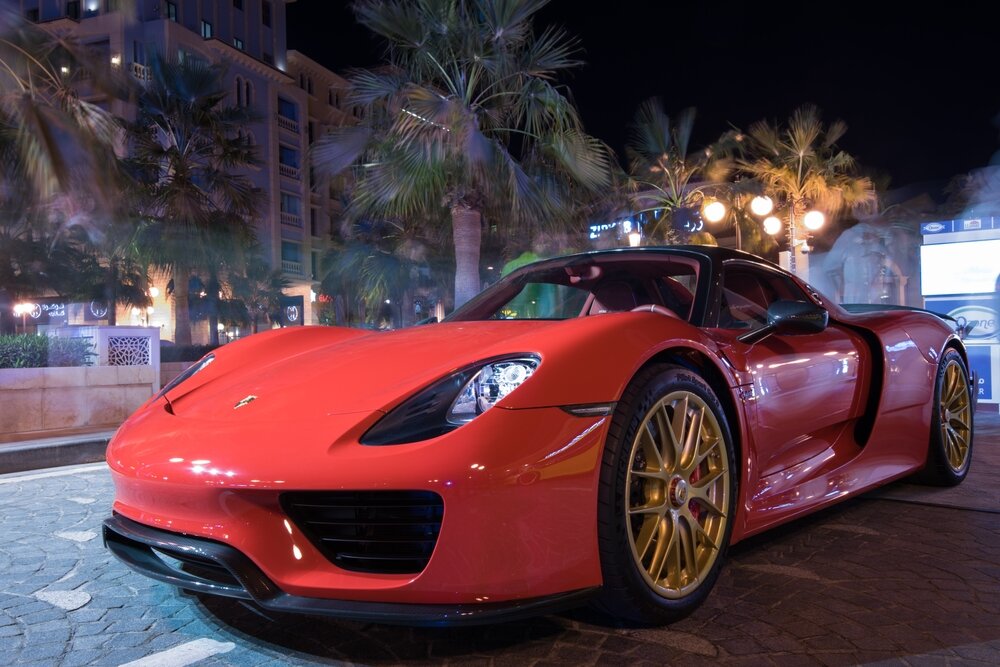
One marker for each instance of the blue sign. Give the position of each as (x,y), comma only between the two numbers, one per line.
(978,314)
(966,225)
(981,363)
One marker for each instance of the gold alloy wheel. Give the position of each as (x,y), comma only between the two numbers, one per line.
(678,494)
(956,416)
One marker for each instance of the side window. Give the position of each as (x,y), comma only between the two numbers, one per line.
(747,293)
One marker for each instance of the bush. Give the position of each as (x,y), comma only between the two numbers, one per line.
(30,351)
(170,353)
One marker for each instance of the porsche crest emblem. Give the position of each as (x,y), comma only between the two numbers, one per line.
(244,401)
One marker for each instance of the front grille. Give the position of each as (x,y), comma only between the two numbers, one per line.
(391,532)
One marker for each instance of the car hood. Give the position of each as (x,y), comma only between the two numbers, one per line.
(347,371)
(316,372)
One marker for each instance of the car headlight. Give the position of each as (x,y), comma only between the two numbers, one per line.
(451,401)
(196,367)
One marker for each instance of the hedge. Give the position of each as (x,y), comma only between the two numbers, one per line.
(40,351)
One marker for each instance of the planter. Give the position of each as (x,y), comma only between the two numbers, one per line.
(36,402)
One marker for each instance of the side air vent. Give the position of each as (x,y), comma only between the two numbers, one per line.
(391,532)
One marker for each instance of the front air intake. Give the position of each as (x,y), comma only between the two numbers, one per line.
(390,532)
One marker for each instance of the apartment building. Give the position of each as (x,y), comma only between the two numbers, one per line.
(294,98)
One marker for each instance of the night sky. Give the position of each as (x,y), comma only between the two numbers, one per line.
(918,89)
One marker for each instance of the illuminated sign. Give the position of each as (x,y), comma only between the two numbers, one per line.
(969,267)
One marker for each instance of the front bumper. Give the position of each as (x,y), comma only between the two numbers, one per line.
(205,566)
(518,490)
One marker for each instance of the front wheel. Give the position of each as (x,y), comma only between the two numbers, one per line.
(667,497)
(950,452)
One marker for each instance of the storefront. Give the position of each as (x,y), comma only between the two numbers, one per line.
(959,274)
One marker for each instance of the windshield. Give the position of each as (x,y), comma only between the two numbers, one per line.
(584,285)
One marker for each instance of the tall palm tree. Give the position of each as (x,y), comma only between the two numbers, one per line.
(259,288)
(51,139)
(186,152)
(801,166)
(466,115)
(666,173)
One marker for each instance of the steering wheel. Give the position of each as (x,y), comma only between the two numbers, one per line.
(655,308)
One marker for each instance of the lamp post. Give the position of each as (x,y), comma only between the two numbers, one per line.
(714,211)
(813,220)
(23,309)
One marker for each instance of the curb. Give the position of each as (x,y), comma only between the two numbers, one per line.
(51,454)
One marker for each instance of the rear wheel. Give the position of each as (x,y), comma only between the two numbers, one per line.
(667,497)
(950,452)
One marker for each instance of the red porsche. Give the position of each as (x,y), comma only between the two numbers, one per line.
(592,428)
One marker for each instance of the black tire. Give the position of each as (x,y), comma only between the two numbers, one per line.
(949,454)
(657,565)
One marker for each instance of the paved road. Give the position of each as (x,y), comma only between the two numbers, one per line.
(874,580)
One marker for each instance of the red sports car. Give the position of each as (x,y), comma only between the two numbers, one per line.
(598,427)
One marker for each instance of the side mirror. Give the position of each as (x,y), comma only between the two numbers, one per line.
(790,318)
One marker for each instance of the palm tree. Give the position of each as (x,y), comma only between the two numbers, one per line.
(465,116)
(58,171)
(801,166)
(259,287)
(666,175)
(186,148)
(51,139)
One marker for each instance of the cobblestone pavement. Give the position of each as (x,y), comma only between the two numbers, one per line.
(873,580)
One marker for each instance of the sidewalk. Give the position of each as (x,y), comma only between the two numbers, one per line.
(69,449)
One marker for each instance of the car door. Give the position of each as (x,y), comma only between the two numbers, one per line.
(806,388)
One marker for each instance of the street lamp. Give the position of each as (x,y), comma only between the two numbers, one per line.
(813,220)
(24,309)
(715,211)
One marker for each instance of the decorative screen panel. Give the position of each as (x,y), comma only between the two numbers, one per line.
(129,351)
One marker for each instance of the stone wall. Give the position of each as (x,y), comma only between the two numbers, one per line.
(36,402)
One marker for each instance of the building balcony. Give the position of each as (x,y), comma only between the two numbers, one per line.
(287,123)
(291,267)
(291,220)
(289,171)
(141,72)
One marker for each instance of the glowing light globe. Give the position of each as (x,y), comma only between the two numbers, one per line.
(714,212)
(772,225)
(813,220)
(761,205)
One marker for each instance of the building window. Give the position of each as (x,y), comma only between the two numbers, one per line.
(291,251)
(239,92)
(73,9)
(314,221)
(31,15)
(238,4)
(291,205)
(265,14)
(238,43)
(248,93)
(206,29)
(288,156)
(288,109)
(172,11)
(268,58)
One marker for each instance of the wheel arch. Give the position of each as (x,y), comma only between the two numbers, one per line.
(700,363)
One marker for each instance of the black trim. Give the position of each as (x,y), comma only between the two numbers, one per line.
(212,567)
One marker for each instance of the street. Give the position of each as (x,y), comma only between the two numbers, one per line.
(897,577)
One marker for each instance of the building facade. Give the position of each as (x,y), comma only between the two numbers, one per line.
(293,98)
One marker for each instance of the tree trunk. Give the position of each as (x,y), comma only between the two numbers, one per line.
(111,293)
(467,231)
(182,313)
